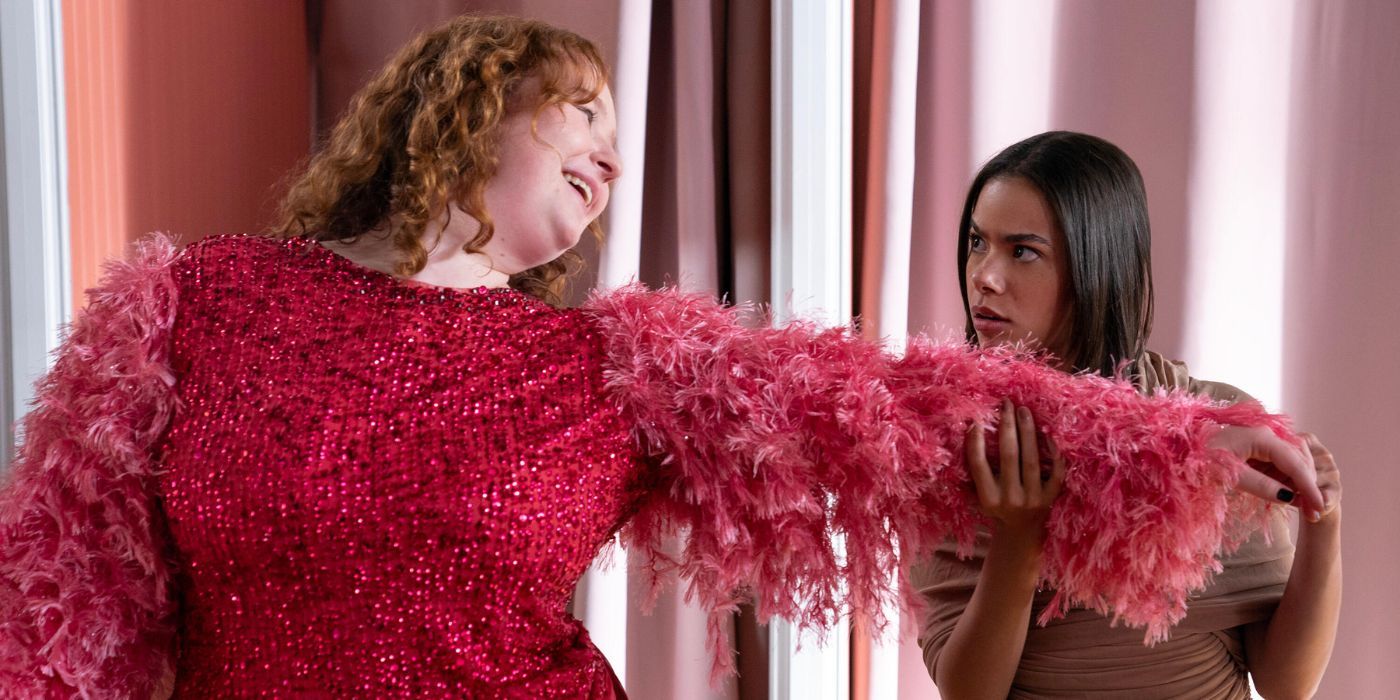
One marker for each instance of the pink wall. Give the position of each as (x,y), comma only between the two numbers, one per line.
(97,63)
(182,117)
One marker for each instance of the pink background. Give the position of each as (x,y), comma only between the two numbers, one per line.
(184,116)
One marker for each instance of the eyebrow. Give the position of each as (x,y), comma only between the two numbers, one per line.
(1015,237)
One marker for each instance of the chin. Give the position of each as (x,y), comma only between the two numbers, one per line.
(577,235)
(1000,340)
(568,241)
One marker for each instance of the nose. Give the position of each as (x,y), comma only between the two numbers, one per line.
(985,275)
(608,162)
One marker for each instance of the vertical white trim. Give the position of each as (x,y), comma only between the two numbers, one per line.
(622,252)
(811,159)
(899,171)
(812,269)
(36,194)
(603,604)
(781,172)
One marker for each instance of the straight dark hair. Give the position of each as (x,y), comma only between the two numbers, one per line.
(1100,205)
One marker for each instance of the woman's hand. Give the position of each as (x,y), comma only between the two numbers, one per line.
(1281,472)
(1329,478)
(1288,653)
(984,650)
(1015,497)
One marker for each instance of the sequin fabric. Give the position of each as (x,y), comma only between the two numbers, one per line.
(383,489)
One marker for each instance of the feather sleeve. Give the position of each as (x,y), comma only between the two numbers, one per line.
(767,442)
(85,600)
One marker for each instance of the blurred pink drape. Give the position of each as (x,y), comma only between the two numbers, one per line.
(1342,322)
(172,122)
(1162,80)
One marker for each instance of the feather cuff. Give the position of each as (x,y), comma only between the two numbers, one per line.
(85,603)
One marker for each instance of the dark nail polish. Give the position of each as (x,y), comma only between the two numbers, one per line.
(1285,495)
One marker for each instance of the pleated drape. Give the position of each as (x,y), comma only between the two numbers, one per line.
(1267,134)
(1341,305)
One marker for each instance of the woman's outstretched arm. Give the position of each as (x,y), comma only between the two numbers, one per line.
(770,441)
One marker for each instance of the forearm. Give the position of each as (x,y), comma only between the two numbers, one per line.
(1288,656)
(984,650)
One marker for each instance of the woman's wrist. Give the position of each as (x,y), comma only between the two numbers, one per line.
(1016,554)
(1329,526)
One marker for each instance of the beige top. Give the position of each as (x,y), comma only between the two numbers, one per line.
(1082,655)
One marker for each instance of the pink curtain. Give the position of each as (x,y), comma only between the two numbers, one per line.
(1267,135)
(703,227)
(1341,336)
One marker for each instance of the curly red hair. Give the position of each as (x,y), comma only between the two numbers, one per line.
(423,134)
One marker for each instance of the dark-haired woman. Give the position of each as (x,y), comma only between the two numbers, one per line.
(370,457)
(1054,251)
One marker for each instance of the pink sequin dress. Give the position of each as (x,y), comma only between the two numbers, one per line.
(260,470)
(383,489)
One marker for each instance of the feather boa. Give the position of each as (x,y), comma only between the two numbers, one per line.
(85,603)
(768,442)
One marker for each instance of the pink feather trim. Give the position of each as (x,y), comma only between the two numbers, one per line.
(85,602)
(769,441)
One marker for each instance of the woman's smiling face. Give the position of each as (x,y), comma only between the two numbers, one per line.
(552,178)
(1017,270)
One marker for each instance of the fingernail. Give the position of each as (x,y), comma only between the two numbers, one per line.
(1024,413)
(1285,495)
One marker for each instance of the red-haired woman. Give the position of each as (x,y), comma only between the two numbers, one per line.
(369,456)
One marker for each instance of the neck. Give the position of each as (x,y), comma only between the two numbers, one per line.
(448,264)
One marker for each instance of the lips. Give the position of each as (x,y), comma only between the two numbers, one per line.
(987,313)
(582,186)
(989,322)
